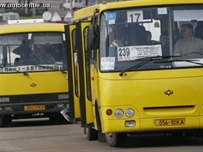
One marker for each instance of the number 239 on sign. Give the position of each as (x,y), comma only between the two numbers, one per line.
(123,54)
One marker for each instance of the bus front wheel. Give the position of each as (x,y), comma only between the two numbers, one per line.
(5,120)
(115,139)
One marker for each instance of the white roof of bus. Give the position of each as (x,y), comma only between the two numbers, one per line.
(25,21)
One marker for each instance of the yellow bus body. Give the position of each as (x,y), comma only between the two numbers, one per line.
(30,27)
(163,99)
(15,84)
(34,86)
(151,102)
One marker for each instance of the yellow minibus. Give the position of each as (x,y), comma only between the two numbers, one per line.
(33,84)
(136,67)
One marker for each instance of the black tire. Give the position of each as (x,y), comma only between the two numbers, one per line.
(115,139)
(5,121)
(101,137)
(92,134)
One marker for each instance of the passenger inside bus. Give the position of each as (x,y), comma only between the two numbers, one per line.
(164,39)
(131,33)
(58,53)
(40,57)
(24,51)
(140,36)
(136,34)
(118,38)
(116,29)
(149,39)
(188,45)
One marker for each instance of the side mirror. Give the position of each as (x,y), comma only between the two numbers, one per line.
(93,37)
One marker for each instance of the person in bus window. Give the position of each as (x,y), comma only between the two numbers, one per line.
(188,44)
(24,51)
(118,38)
(42,58)
(117,31)
(136,34)
(117,41)
(164,39)
(149,39)
(57,51)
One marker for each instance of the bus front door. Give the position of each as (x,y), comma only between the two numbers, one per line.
(73,78)
(86,105)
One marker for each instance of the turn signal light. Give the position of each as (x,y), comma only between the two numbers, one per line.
(109,112)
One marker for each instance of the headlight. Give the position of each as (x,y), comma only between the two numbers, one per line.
(60,105)
(8,108)
(129,112)
(119,113)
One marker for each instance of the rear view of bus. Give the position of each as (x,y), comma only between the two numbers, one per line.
(33,71)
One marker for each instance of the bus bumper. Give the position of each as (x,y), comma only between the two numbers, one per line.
(152,124)
(33,108)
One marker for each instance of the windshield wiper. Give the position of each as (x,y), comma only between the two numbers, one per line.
(144,61)
(179,60)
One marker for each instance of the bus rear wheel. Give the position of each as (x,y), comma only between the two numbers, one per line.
(5,120)
(115,139)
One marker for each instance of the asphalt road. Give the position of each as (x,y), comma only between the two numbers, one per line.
(44,136)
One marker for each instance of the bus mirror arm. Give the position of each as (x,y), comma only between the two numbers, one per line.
(93,37)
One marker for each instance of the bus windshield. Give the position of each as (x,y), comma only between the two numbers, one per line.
(151,38)
(25,52)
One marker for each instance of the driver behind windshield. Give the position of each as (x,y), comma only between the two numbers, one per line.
(40,57)
(189,44)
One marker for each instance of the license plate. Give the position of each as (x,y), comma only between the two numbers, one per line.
(170,122)
(36,107)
